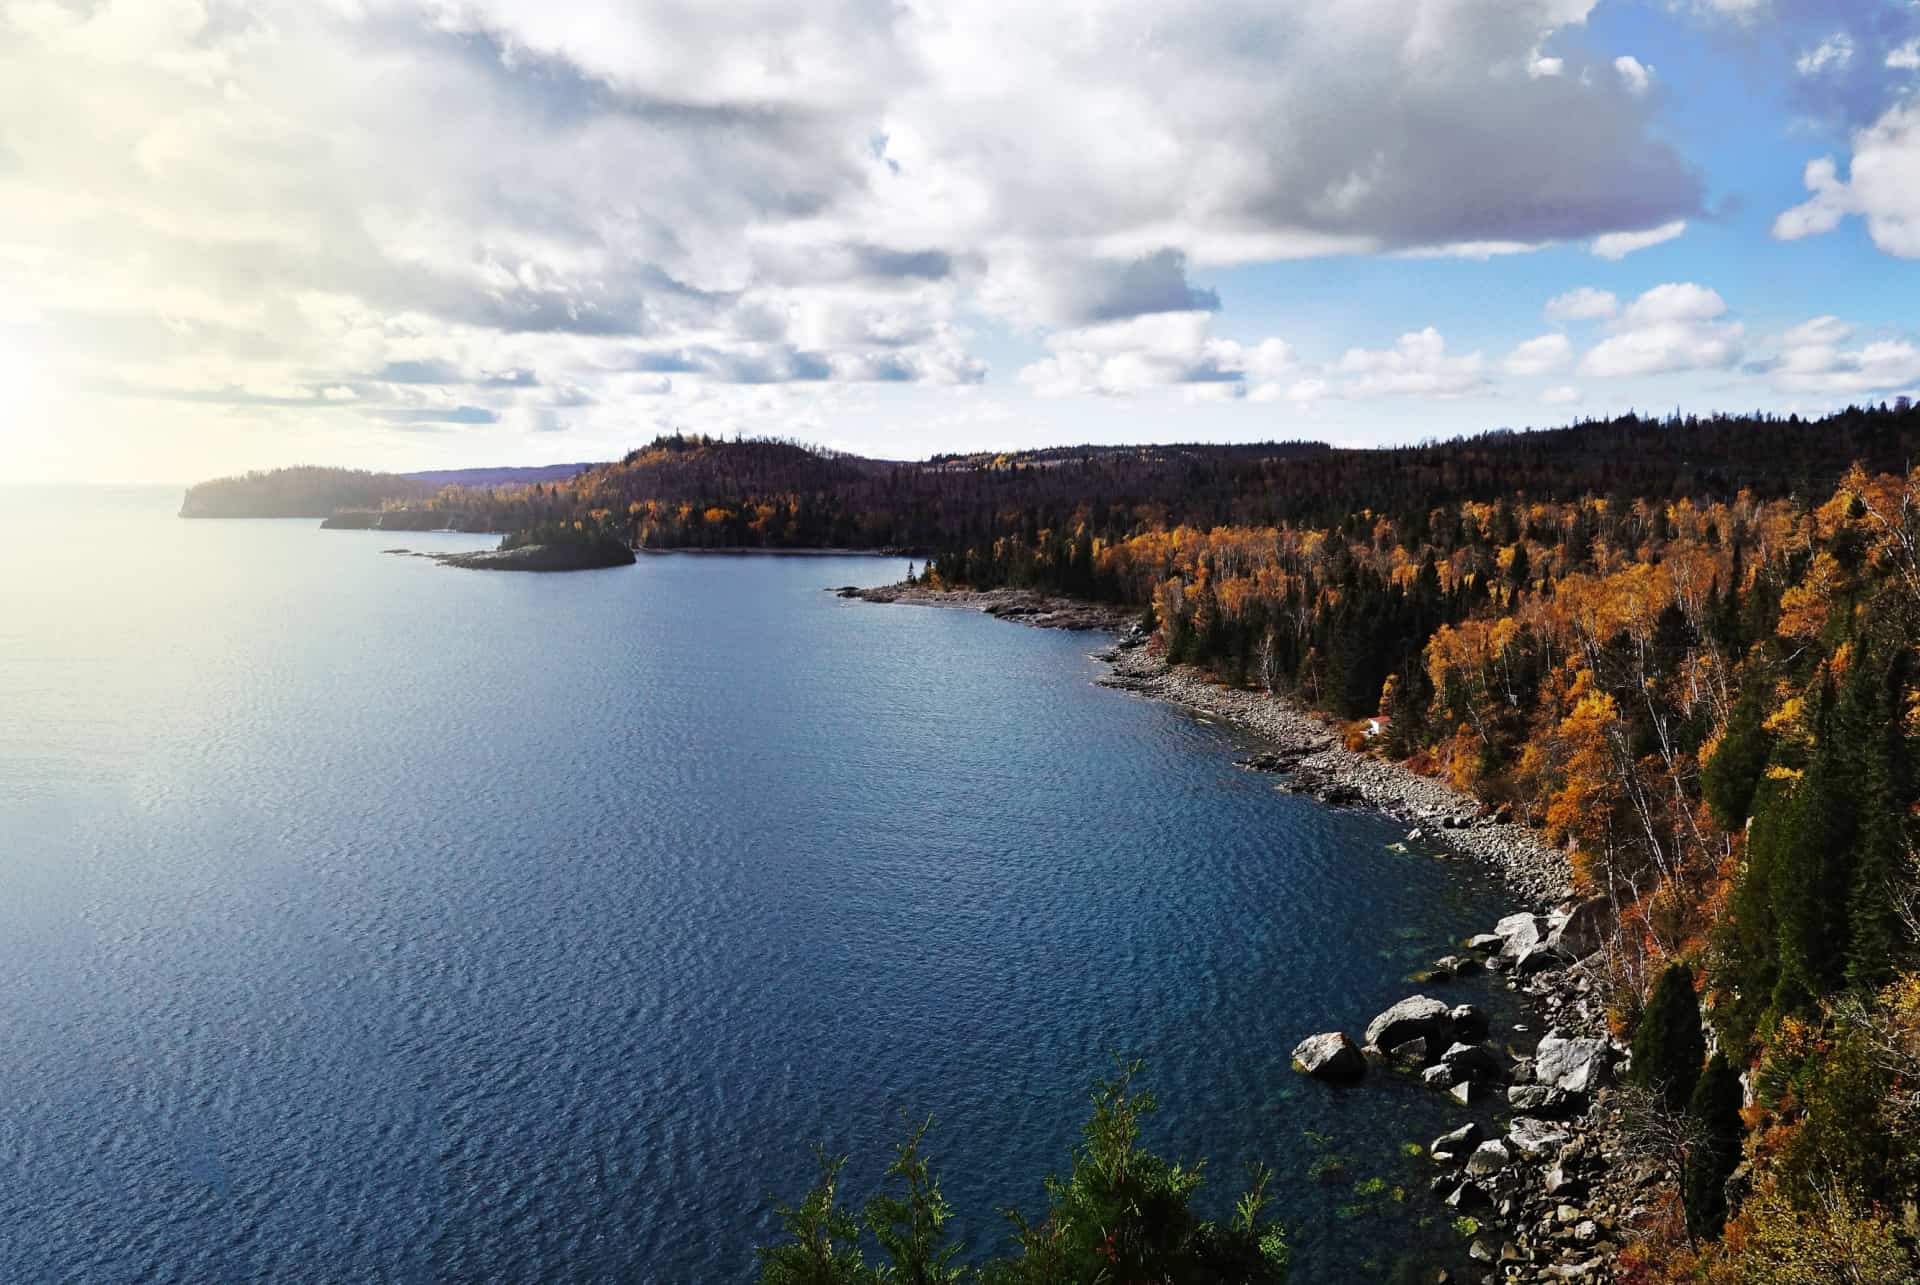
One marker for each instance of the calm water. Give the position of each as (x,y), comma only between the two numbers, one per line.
(364,919)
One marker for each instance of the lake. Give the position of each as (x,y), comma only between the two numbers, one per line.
(367,919)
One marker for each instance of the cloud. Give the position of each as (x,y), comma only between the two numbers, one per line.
(1543,356)
(1583,304)
(1831,55)
(1561,395)
(1905,57)
(1618,245)
(1883,186)
(1417,366)
(1154,351)
(1634,74)
(1672,327)
(1812,360)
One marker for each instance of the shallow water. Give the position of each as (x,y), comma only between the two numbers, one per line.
(368,919)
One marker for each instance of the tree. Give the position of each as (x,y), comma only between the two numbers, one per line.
(1123,1214)
(1733,773)
(824,1249)
(1715,1107)
(1669,1046)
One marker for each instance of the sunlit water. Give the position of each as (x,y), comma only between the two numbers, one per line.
(364,919)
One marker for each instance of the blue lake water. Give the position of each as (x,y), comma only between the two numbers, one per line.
(363,919)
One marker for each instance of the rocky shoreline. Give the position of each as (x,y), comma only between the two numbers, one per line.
(1555,1197)
(1023,606)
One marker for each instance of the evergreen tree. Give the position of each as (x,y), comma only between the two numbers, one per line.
(1715,1106)
(1811,876)
(1882,788)
(1669,1046)
(1732,774)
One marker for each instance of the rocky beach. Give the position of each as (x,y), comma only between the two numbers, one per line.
(1556,1195)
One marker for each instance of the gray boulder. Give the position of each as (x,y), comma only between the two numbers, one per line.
(1535,1138)
(1488,1159)
(1331,1056)
(1414,1018)
(1538,959)
(1474,1062)
(1582,930)
(1520,933)
(1469,1022)
(1543,1100)
(1412,1053)
(1448,1147)
(1438,1077)
(1574,1064)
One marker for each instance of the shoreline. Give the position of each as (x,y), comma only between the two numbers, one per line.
(1557,1195)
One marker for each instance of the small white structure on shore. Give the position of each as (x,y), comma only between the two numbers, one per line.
(1378,726)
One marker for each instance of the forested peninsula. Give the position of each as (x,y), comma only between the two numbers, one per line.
(1681,652)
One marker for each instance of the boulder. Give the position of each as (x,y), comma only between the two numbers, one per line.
(1485,943)
(1416,1017)
(1468,1092)
(1544,1101)
(1582,930)
(1520,933)
(1559,1182)
(1535,1138)
(1474,1062)
(1438,1077)
(1467,1196)
(1469,1022)
(1537,959)
(1412,1053)
(1575,1064)
(1488,1159)
(1330,1056)
(1452,1145)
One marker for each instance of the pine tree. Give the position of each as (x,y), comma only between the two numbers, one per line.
(1715,1107)
(1669,1046)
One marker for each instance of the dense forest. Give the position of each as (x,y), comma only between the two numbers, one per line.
(692,492)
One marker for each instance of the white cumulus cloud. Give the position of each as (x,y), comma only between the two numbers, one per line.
(1672,327)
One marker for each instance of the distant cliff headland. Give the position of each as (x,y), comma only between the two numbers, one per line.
(310,491)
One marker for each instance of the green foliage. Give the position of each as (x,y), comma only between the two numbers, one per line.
(1121,1214)
(824,1248)
(1715,1106)
(1733,773)
(1669,1046)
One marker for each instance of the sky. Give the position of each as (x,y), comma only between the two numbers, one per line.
(404,234)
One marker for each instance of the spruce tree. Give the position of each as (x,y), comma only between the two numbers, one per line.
(1812,870)
(1669,1046)
(1715,1107)
(1731,775)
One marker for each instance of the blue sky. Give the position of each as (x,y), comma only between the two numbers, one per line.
(424,233)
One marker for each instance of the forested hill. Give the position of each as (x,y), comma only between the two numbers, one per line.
(690,491)
(314,492)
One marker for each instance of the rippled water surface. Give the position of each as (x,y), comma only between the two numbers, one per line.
(369,920)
